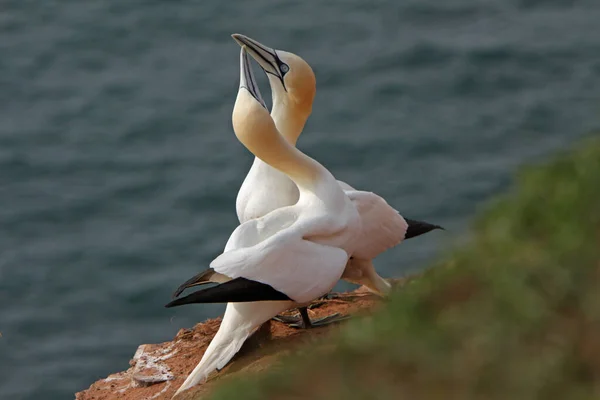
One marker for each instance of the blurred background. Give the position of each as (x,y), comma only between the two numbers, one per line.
(119,168)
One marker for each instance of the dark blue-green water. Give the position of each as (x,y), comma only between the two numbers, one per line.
(119,168)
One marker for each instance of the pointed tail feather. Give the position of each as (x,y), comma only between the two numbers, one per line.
(418,228)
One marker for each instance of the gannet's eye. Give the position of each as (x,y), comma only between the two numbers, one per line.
(284,68)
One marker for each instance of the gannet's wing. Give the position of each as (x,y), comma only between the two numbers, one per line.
(382,226)
(297,270)
(238,290)
(301,269)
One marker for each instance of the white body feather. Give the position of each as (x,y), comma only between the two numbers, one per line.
(265,189)
(300,250)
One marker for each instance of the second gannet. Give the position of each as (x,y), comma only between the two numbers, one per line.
(284,259)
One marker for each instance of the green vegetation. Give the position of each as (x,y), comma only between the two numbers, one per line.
(515,314)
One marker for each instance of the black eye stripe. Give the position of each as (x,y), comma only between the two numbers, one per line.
(278,76)
(280,64)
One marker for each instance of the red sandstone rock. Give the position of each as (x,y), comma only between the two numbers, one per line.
(157,370)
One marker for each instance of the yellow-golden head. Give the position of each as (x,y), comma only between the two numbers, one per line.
(291,78)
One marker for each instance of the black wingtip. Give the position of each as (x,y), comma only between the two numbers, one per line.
(183,286)
(198,279)
(174,303)
(178,291)
(418,228)
(239,290)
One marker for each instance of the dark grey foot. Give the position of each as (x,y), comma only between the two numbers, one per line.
(287,319)
(304,321)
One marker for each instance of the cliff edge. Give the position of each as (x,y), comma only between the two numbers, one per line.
(157,370)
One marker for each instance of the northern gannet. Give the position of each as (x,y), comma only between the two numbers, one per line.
(284,259)
(293,87)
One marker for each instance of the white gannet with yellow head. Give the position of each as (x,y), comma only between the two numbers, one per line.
(284,259)
(293,87)
(265,189)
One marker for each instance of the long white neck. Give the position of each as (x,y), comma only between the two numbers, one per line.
(289,121)
(256,130)
(265,188)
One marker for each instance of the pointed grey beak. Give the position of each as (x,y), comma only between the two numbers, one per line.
(265,56)
(247,80)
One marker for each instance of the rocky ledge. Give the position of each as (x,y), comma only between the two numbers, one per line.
(157,370)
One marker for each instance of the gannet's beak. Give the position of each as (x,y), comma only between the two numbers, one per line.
(247,80)
(265,56)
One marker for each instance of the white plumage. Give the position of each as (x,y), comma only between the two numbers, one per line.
(286,260)
(265,189)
